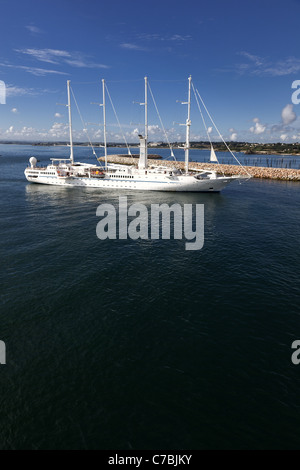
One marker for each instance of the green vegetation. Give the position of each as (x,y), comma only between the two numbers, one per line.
(252,148)
(279,148)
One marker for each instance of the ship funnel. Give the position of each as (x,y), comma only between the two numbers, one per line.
(143,153)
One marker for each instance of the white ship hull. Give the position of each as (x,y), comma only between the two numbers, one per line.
(183,183)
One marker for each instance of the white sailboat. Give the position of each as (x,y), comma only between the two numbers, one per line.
(143,177)
(213,156)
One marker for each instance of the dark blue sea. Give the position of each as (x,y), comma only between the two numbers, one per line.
(140,344)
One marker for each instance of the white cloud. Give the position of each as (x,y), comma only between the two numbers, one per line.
(261,66)
(57,115)
(82,63)
(288,115)
(283,67)
(233,136)
(59,130)
(33,70)
(27,131)
(161,37)
(153,129)
(258,128)
(33,29)
(133,47)
(253,58)
(179,37)
(209,130)
(59,57)
(135,133)
(283,137)
(98,134)
(12,90)
(14,110)
(45,55)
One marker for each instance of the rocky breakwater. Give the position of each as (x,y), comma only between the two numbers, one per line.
(256,172)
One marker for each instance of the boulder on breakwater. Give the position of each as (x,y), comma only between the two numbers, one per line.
(285,174)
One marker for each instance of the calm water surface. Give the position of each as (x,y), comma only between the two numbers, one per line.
(123,344)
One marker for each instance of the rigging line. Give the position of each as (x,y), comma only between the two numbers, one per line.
(116,116)
(84,129)
(124,81)
(203,120)
(204,123)
(220,135)
(85,83)
(161,123)
(168,81)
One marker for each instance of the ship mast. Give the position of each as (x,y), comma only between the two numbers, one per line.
(143,160)
(188,125)
(104,123)
(70,123)
(146,117)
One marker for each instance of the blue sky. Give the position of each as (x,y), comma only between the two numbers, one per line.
(243,58)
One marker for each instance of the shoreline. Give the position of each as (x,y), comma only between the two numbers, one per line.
(204,146)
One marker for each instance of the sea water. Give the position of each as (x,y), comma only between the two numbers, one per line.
(139,344)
